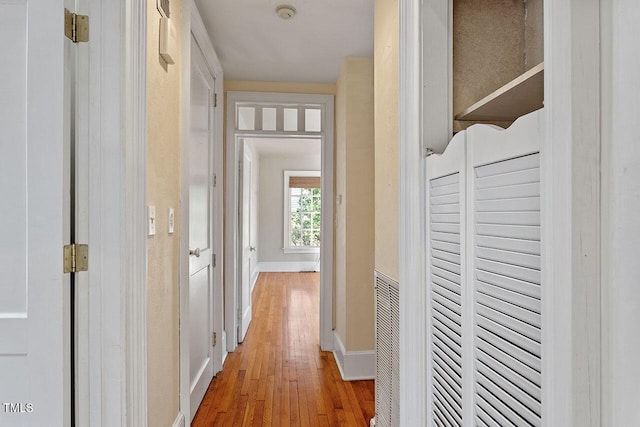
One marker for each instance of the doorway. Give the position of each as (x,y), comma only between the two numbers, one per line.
(271,116)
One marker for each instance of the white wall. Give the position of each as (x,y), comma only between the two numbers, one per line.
(271,205)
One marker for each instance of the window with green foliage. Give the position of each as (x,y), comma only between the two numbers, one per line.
(302,210)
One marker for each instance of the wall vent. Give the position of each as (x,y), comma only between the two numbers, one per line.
(387,351)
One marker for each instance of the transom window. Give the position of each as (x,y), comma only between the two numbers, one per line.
(302,197)
(279,118)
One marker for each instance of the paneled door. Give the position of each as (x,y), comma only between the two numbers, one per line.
(34,300)
(200,228)
(244,291)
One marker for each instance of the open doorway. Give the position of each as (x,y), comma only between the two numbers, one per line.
(282,145)
(285,204)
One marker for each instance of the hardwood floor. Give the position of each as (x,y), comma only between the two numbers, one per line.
(278,376)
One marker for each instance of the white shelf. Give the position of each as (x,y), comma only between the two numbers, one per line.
(517,98)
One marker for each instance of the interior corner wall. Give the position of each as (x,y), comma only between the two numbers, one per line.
(355,205)
(386,87)
(163,191)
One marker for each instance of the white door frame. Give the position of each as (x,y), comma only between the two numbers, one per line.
(571,341)
(116,338)
(193,26)
(112,367)
(234,145)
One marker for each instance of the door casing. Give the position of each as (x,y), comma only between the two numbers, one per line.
(234,149)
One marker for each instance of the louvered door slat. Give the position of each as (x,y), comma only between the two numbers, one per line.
(509,283)
(509,218)
(515,272)
(509,192)
(514,324)
(508,335)
(509,205)
(521,300)
(512,257)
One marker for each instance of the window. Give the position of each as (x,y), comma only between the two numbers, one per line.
(302,201)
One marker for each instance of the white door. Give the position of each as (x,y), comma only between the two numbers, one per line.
(200,229)
(244,297)
(34,304)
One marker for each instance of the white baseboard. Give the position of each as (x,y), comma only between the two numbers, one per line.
(354,365)
(286,266)
(179,422)
(254,276)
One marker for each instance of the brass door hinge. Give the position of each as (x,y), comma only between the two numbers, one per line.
(214,339)
(76,27)
(76,258)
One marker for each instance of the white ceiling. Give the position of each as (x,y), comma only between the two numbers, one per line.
(253,43)
(284,147)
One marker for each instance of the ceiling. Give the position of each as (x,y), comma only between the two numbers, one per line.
(253,43)
(285,147)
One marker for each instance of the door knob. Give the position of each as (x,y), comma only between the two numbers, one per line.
(195,252)
(252,248)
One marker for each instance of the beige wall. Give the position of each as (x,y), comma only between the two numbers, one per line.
(163,191)
(386,45)
(355,214)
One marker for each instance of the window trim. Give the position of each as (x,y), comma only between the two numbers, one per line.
(286,241)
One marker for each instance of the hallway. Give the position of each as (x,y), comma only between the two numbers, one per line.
(278,375)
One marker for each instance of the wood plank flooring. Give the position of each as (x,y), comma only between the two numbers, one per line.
(278,376)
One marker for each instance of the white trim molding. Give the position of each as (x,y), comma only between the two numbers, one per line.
(179,421)
(135,210)
(287,266)
(571,197)
(354,365)
(412,224)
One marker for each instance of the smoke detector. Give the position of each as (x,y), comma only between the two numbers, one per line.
(285,11)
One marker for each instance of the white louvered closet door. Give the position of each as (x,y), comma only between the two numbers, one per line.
(484,277)
(504,242)
(445,276)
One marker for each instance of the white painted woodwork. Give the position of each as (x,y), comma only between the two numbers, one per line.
(244,209)
(34,168)
(200,310)
(620,232)
(520,96)
(571,209)
(484,277)
(234,144)
(446,280)
(412,218)
(196,41)
(135,179)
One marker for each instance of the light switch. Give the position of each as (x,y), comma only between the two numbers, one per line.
(151,219)
(172,218)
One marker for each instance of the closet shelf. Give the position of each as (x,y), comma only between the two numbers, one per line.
(520,96)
